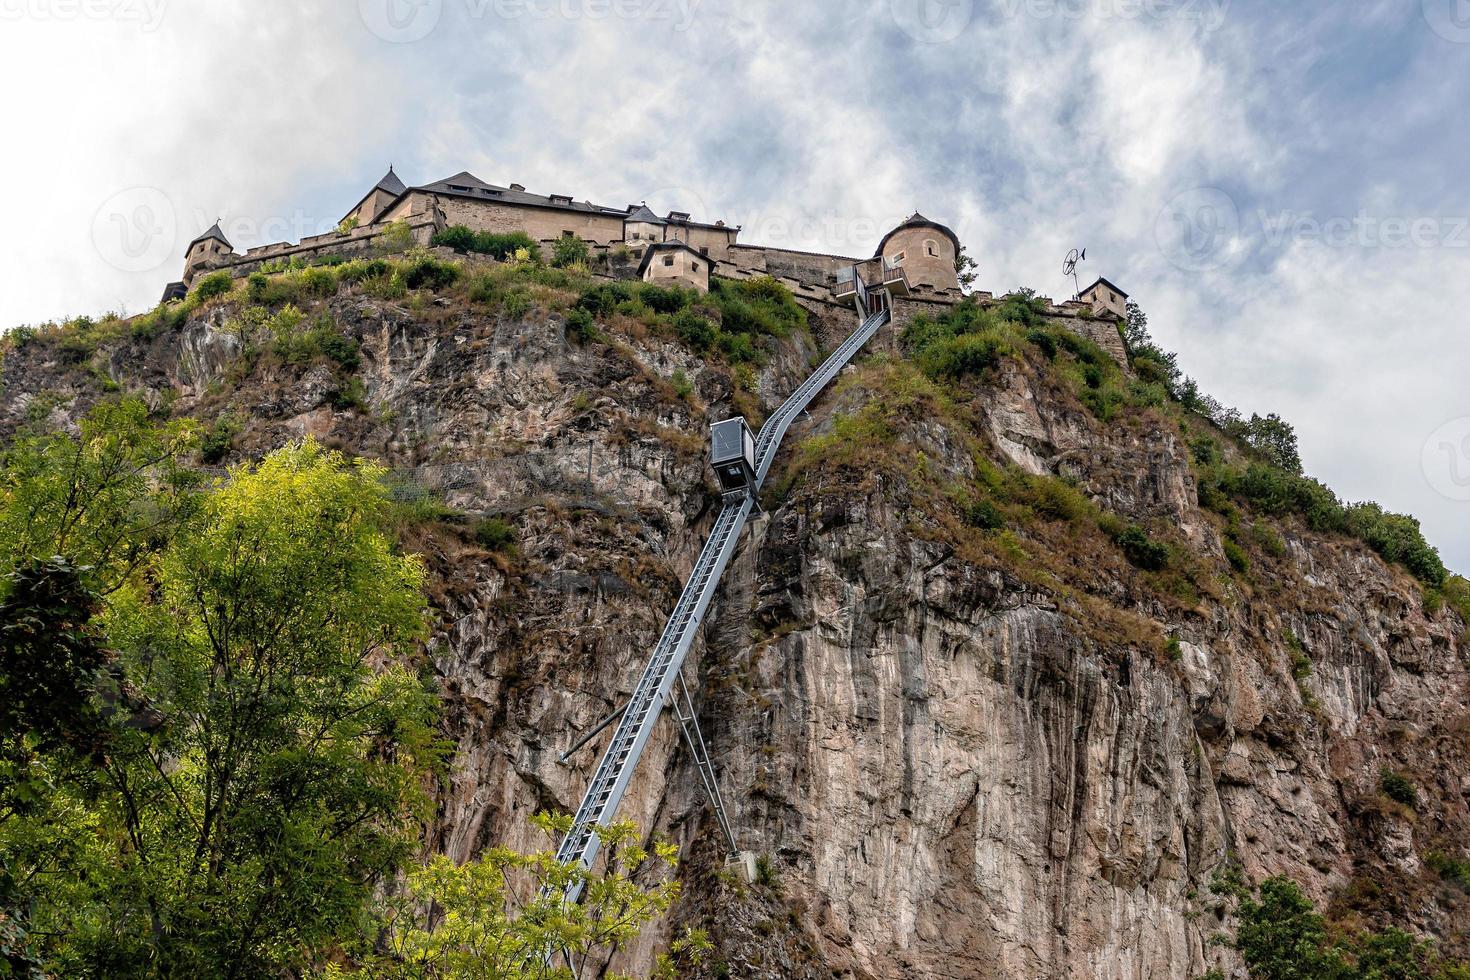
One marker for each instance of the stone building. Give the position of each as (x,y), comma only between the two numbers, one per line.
(914,264)
(673,262)
(1104,297)
(926,252)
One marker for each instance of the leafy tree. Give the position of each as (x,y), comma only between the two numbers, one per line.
(569,250)
(246,828)
(1280,935)
(502,914)
(102,498)
(1275,439)
(966,269)
(1153,363)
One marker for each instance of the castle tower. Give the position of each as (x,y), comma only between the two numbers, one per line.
(1106,298)
(925,250)
(206,251)
(376,201)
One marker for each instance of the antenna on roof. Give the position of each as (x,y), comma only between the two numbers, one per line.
(1069,268)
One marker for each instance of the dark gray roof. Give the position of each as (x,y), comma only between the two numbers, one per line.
(1104,282)
(645,214)
(390,183)
(466,184)
(213,232)
(671,245)
(917,220)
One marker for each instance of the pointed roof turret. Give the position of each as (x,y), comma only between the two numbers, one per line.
(390,183)
(644,214)
(213,232)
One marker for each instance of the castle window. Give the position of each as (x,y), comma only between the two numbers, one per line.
(668,260)
(898,259)
(693,266)
(931,246)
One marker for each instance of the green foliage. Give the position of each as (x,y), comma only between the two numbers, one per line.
(1278,492)
(1141,550)
(695,329)
(1237,557)
(500,246)
(298,344)
(966,269)
(1452,869)
(496,534)
(755,307)
(966,340)
(215,284)
(470,922)
(569,250)
(731,319)
(683,387)
(1398,538)
(348,394)
(984,515)
(81,497)
(260,747)
(427,272)
(581,327)
(396,238)
(1397,787)
(1280,935)
(217,441)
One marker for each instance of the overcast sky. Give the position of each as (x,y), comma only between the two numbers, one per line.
(1282,186)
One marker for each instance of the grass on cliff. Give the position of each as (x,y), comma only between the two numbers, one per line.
(1042,529)
(1243,466)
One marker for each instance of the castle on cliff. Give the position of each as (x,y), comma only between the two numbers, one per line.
(916,261)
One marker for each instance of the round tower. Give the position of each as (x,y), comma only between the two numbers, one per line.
(925,250)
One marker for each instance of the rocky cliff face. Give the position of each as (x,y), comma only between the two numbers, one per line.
(961,752)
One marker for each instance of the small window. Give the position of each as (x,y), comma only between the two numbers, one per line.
(567,234)
(668,260)
(693,266)
(898,259)
(931,247)
(1112,297)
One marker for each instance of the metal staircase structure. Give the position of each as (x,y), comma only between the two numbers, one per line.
(660,677)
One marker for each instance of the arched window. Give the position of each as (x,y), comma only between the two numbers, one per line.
(931,247)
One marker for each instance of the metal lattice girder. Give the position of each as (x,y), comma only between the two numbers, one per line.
(610,781)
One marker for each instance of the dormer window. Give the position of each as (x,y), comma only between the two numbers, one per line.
(561,199)
(458,187)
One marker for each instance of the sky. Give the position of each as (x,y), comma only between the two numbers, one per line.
(1280,186)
